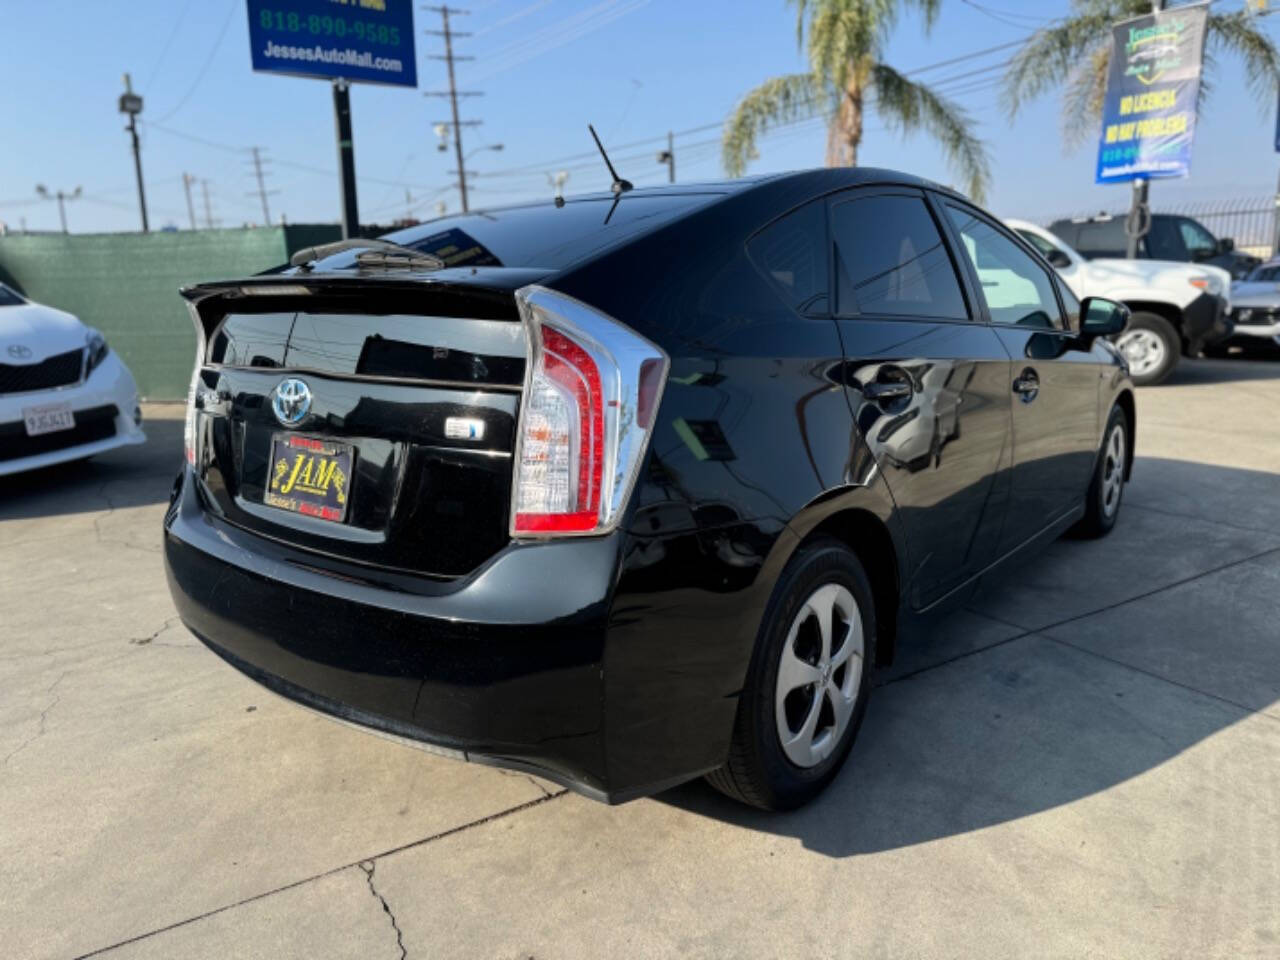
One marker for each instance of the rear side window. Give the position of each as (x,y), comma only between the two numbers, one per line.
(1163,241)
(792,253)
(1101,238)
(890,260)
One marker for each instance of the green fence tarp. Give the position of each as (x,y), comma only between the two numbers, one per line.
(127,284)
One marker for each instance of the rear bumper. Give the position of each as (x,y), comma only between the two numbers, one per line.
(504,666)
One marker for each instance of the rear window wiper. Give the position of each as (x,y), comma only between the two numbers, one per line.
(378,253)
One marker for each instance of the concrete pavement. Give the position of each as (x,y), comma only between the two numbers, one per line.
(1086,761)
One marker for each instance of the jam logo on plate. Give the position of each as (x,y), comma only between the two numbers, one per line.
(309,476)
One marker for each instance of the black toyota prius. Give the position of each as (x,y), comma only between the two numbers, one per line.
(632,488)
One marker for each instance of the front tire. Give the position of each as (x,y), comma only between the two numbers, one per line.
(808,683)
(1151,346)
(1106,491)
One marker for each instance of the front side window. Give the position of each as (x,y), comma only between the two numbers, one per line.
(1199,241)
(1018,291)
(1265,275)
(890,260)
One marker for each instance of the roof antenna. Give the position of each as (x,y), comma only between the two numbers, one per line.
(619,185)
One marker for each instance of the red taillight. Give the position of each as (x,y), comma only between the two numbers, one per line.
(568,366)
(591,393)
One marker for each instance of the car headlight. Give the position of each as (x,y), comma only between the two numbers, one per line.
(1207,282)
(98,350)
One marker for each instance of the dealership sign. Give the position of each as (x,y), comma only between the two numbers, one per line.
(1153,83)
(356,40)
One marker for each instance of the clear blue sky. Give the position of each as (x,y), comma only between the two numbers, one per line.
(636,68)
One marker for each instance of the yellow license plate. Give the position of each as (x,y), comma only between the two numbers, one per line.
(309,476)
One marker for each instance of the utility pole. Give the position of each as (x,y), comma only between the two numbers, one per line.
(262,186)
(208,210)
(131,104)
(453,93)
(1139,220)
(668,156)
(62,198)
(187,181)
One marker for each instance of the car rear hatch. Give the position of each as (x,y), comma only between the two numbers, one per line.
(367,419)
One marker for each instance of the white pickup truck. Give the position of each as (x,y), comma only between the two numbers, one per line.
(1178,308)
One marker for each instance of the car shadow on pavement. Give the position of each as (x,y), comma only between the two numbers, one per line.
(1090,665)
(125,477)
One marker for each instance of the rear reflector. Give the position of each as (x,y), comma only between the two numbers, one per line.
(592,389)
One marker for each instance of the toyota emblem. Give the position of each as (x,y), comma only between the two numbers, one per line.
(291,401)
(19,352)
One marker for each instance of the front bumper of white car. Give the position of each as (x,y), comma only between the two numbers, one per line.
(1255,323)
(104,407)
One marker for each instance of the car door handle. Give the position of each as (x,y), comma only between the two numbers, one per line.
(1027,386)
(878,391)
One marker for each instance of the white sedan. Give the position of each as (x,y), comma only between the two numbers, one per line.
(64,394)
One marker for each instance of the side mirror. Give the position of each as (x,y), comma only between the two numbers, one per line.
(1058,259)
(1100,317)
(1226,244)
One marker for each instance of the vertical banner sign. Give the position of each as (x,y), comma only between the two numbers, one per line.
(1149,114)
(358,40)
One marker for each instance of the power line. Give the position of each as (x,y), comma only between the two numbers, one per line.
(213,52)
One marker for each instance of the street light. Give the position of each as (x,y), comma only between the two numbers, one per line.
(61,197)
(492,146)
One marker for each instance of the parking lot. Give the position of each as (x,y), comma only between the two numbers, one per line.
(1083,762)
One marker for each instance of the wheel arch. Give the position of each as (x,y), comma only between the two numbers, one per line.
(1124,400)
(869,536)
(1166,311)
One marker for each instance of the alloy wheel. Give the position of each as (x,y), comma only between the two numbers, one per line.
(1113,471)
(819,675)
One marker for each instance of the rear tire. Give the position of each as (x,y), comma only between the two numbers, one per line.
(804,698)
(1106,490)
(1151,346)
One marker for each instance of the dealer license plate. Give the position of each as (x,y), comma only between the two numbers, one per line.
(310,476)
(49,418)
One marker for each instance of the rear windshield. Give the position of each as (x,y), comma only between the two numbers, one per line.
(544,235)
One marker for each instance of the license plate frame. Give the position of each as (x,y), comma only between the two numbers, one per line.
(48,418)
(310,476)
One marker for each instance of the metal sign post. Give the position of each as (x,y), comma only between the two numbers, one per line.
(342,42)
(346,158)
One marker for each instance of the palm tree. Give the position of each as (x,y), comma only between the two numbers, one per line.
(1076,52)
(846,76)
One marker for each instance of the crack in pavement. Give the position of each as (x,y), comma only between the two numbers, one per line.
(44,715)
(368,866)
(413,844)
(100,537)
(143,641)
